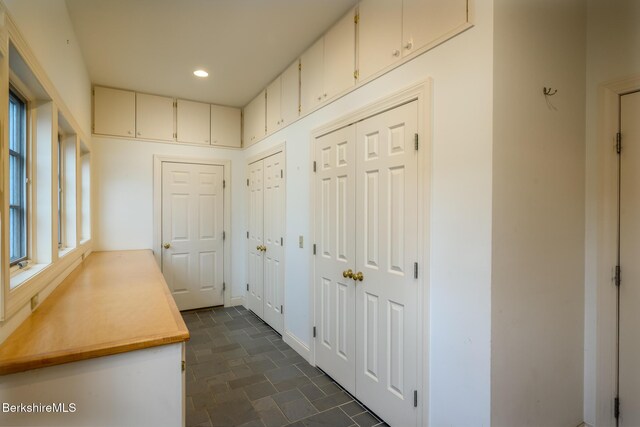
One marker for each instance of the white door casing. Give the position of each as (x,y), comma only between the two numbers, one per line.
(192,233)
(256,232)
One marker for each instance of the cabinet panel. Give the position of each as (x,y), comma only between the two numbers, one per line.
(425,21)
(379,35)
(254,120)
(193,122)
(114,112)
(311,76)
(154,117)
(290,93)
(225,126)
(274,118)
(339,56)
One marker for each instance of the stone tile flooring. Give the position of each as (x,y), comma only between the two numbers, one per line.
(240,373)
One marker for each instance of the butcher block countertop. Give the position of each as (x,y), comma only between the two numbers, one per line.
(113,302)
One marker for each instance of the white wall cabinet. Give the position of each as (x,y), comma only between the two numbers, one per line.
(379,35)
(425,21)
(274,113)
(114,112)
(225,126)
(311,76)
(283,98)
(254,120)
(154,117)
(193,122)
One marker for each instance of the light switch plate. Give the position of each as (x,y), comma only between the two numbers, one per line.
(300,242)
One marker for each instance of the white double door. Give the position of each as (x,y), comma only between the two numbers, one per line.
(193,233)
(265,287)
(366,223)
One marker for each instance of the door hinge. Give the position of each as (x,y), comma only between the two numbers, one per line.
(175,136)
(314,166)
(415,398)
(281,173)
(247,234)
(616,408)
(299,108)
(224,235)
(247,286)
(299,66)
(281,310)
(247,182)
(281,241)
(617,276)
(314,331)
(224,183)
(175,104)
(415,270)
(618,143)
(415,138)
(314,248)
(356,18)
(224,286)
(356,74)
(183,365)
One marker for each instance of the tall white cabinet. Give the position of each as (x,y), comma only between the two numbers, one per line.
(265,287)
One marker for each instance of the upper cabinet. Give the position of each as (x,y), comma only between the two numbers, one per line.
(193,120)
(154,117)
(274,97)
(114,112)
(311,75)
(225,126)
(379,35)
(254,120)
(425,21)
(283,98)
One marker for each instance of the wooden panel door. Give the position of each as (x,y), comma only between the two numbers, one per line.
(273,252)
(425,21)
(256,239)
(629,357)
(290,94)
(335,225)
(114,112)
(154,117)
(226,125)
(339,57)
(311,76)
(386,249)
(192,233)
(193,122)
(274,117)
(379,35)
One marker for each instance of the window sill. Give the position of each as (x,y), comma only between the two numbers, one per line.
(24,275)
(64,251)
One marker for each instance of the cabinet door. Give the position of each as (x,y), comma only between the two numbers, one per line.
(154,117)
(254,120)
(290,93)
(379,35)
(311,76)
(274,119)
(193,122)
(225,126)
(339,56)
(425,21)
(114,112)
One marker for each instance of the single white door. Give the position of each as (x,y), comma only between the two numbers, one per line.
(192,233)
(629,255)
(273,241)
(256,238)
(386,250)
(335,225)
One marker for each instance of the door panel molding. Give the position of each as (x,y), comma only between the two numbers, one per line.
(158,160)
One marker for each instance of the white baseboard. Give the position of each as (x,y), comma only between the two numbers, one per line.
(301,348)
(236,301)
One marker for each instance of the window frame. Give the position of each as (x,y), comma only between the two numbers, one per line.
(61,243)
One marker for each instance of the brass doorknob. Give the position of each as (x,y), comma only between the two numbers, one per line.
(358,276)
(259,248)
(264,248)
(166,245)
(347,273)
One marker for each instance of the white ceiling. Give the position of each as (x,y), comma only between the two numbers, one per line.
(155,45)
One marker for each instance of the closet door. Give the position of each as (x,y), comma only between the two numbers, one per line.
(256,240)
(386,249)
(335,254)
(273,241)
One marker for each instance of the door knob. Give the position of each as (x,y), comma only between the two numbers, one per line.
(358,276)
(258,248)
(347,273)
(264,248)
(166,245)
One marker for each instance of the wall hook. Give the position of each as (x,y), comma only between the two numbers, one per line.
(547,91)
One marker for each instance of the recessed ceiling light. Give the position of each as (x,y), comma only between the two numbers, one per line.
(201,73)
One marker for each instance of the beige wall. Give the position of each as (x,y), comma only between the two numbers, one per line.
(538,214)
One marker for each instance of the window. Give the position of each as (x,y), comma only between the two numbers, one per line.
(17,178)
(60,195)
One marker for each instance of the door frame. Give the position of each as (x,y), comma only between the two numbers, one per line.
(601,252)
(278,148)
(420,92)
(158,160)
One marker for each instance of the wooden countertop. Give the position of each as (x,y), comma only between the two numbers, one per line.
(112,303)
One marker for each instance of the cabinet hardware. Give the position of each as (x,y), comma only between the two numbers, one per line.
(409,45)
(395,52)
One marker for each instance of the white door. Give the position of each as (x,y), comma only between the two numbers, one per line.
(386,250)
(192,233)
(273,250)
(629,375)
(335,225)
(256,238)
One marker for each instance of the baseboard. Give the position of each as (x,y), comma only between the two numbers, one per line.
(236,301)
(584,425)
(295,343)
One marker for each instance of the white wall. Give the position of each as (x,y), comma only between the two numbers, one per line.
(613,43)
(460,243)
(538,214)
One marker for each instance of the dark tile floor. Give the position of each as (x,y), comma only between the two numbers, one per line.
(240,373)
